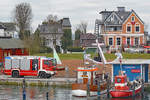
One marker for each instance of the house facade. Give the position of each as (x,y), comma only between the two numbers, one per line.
(8,30)
(53,32)
(86,40)
(121,28)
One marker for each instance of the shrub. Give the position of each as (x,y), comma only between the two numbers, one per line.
(75,49)
(44,49)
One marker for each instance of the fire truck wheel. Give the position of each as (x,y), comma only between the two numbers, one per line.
(48,75)
(15,74)
(42,75)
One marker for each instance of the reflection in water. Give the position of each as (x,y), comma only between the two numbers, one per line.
(39,93)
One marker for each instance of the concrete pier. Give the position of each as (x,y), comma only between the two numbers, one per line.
(36,81)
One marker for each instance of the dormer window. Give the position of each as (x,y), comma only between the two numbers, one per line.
(132,19)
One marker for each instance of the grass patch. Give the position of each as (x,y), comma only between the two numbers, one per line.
(109,57)
(128,56)
(63,56)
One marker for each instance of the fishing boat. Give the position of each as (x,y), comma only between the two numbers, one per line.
(123,89)
(87,75)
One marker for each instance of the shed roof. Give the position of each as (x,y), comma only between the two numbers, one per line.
(9,26)
(2,27)
(11,43)
(131,61)
(50,28)
(88,36)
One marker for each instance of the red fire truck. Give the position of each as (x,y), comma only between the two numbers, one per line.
(19,66)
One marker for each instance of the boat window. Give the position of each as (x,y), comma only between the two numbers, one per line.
(118,80)
(84,73)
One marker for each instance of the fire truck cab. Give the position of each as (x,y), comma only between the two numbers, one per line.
(40,66)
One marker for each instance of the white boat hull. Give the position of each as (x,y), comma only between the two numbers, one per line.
(83,93)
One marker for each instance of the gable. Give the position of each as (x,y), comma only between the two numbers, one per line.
(133,23)
(137,18)
(113,19)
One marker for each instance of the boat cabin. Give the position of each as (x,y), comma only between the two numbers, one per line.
(121,82)
(86,74)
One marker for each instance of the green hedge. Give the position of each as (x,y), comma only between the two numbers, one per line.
(75,49)
(44,49)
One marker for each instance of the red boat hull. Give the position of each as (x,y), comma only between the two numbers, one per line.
(127,93)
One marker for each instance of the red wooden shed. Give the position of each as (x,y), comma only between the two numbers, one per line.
(10,47)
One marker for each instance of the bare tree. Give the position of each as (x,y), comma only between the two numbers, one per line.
(52,18)
(22,18)
(82,27)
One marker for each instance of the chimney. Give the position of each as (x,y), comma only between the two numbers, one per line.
(121,9)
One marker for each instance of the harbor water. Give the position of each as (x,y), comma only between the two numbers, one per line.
(49,93)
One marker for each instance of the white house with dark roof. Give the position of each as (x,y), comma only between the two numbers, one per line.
(50,33)
(53,32)
(2,31)
(8,30)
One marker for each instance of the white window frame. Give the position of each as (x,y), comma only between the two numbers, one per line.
(139,28)
(112,41)
(127,27)
(133,18)
(127,39)
(120,40)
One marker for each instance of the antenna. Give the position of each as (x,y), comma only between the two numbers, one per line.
(119,57)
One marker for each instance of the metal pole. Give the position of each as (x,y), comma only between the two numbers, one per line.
(98,90)
(88,90)
(142,92)
(133,91)
(108,83)
(120,65)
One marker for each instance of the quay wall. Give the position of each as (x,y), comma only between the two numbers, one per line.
(37,82)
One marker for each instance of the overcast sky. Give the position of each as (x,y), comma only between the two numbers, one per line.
(76,10)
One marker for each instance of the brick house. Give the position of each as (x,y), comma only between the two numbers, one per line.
(87,39)
(120,28)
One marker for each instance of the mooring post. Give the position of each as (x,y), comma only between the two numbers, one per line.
(98,90)
(108,87)
(47,96)
(67,72)
(24,89)
(88,90)
(67,80)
